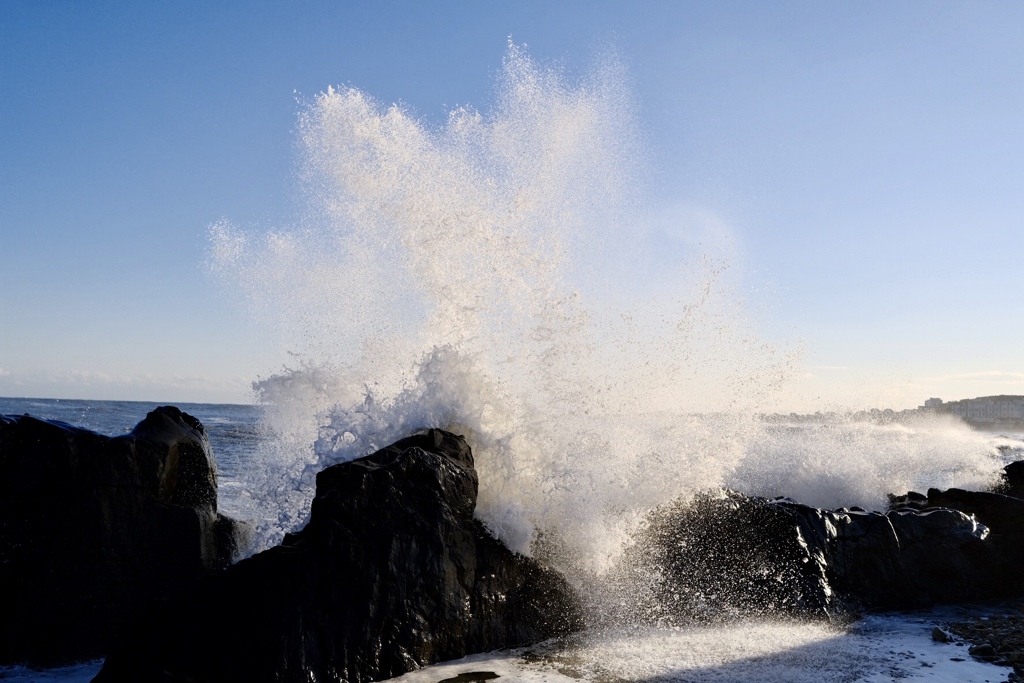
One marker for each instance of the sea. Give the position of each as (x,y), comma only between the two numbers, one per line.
(514,273)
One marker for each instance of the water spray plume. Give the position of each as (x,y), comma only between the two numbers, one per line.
(438,279)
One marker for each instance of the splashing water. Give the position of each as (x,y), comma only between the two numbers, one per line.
(451,276)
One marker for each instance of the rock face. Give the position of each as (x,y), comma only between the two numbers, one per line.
(391,573)
(728,553)
(1013,480)
(1004,515)
(93,526)
(723,554)
(906,558)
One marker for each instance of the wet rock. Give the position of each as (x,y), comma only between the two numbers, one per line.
(1003,514)
(983,651)
(93,526)
(391,573)
(907,558)
(726,553)
(471,677)
(1013,480)
(940,636)
(719,555)
(995,638)
(911,501)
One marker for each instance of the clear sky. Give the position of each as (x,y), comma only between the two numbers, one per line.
(867,158)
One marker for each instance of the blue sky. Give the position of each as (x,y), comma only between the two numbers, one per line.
(867,158)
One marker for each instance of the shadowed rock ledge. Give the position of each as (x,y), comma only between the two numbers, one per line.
(725,554)
(92,526)
(390,574)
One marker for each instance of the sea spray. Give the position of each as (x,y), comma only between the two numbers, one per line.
(847,460)
(444,276)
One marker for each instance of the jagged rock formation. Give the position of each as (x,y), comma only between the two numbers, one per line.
(1013,480)
(906,558)
(721,554)
(728,554)
(93,526)
(391,573)
(1002,515)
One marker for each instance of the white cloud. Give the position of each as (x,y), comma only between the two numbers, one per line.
(987,375)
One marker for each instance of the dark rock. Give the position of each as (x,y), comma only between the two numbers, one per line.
(940,636)
(723,554)
(912,501)
(733,554)
(1015,473)
(1012,483)
(93,526)
(471,677)
(1004,515)
(982,651)
(911,556)
(391,573)
(996,637)
(907,558)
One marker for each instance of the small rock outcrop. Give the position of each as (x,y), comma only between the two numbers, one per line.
(93,526)
(719,555)
(726,553)
(905,558)
(390,574)
(1013,480)
(1003,514)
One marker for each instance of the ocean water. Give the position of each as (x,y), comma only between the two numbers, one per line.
(498,274)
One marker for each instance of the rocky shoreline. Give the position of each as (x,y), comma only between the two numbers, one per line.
(996,637)
(393,572)
(93,526)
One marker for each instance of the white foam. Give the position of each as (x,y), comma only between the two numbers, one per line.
(841,461)
(878,649)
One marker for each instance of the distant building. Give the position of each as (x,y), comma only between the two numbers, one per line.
(983,410)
